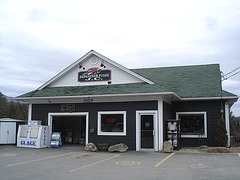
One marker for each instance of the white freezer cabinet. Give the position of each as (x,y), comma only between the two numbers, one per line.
(32,136)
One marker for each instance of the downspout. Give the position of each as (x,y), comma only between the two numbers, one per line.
(221,80)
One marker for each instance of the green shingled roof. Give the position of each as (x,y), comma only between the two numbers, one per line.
(187,81)
(197,81)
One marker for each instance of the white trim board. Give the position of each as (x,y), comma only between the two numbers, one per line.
(160,124)
(227,123)
(172,94)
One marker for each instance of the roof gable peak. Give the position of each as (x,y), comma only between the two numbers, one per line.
(68,76)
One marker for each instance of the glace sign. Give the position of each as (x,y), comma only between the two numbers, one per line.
(94,74)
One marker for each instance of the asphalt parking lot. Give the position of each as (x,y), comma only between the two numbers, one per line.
(72,162)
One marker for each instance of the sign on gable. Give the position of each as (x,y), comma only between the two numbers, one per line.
(94,74)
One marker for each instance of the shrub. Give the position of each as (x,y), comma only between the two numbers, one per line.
(221,137)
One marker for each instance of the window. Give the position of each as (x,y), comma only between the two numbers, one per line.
(112,123)
(193,124)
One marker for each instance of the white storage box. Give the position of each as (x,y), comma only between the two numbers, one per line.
(32,136)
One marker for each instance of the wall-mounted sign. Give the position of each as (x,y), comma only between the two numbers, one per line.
(147,124)
(68,107)
(94,74)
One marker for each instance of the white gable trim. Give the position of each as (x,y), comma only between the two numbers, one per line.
(92,52)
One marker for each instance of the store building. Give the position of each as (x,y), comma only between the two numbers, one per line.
(98,100)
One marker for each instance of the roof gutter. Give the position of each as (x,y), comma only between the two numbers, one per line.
(105,95)
(235,98)
(232,99)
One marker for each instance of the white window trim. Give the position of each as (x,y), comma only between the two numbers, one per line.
(112,133)
(205,124)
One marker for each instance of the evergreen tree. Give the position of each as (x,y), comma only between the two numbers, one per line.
(13,109)
(3,106)
(221,134)
(21,111)
(235,128)
(233,125)
(17,111)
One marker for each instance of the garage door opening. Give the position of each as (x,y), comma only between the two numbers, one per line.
(73,127)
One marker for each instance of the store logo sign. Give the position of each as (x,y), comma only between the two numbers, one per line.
(68,107)
(28,143)
(94,74)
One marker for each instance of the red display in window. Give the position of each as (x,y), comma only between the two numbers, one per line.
(110,120)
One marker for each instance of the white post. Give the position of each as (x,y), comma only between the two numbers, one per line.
(138,126)
(29,112)
(49,129)
(227,124)
(156,130)
(160,124)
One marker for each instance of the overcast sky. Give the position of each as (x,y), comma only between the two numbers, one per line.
(40,38)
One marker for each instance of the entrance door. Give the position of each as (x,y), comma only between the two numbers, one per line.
(147,131)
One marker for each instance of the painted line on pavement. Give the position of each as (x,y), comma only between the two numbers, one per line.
(158,164)
(94,163)
(7,155)
(200,165)
(204,153)
(128,163)
(41,159)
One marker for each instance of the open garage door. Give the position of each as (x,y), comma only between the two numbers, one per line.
(73,127)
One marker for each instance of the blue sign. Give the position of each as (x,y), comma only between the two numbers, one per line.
(147,124)
(44,135)
(56,139)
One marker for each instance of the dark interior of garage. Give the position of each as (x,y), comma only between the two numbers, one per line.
(72,128)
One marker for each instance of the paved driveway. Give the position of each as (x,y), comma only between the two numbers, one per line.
(72,162)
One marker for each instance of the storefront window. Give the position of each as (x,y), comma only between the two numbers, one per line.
(112,123)
(193,124)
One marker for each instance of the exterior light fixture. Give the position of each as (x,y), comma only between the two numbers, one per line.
(108,83)
(81,66)
(102,64)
